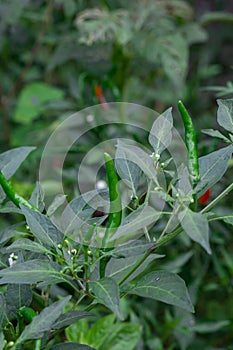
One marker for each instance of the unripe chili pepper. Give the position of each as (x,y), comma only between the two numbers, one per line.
(28,313)
(12,195)
(114,219)
(191,144)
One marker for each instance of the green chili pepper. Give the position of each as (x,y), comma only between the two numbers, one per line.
(114,219)
(12,195)
(191,144)
(27,312)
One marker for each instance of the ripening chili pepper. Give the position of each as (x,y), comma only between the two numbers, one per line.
(205,197)
(191,144)
(99,94)
(12,195)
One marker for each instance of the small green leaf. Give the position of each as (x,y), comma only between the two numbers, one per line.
(107,292)
(43,322)
(30,272)
(196,226)
(225,114)
(163,286)
(209,327)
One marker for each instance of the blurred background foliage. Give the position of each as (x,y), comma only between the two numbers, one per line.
(60,56)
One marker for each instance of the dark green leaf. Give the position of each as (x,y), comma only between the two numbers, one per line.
(216,133)
(37,197)
(30,272)
(136,221)
(107,292)
(17,295)
(163,286)
(100,331)
(43,322)
(132,248)
(70,317)
(71,346)
(27,244)
(196,226)
(42,227)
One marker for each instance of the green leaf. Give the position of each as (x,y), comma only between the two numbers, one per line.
(196,226)
(70,317)
(42,227)
(107,292)
(12,159)
(160,135)
(43,322)
(71,346)
(30,272)
(128,171)
(123,336)
(137,220)
(37,197)
(212,167)
(228,219)
(209,327)
(132,248)
(117,268)
(2,309)
(163,286)
(57,202)
(137,156)
(225,114)
(32,101)
(27,244)
(7,233)
(100,331)
(216,133)
(17,295)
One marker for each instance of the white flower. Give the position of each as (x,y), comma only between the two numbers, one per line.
(12,259)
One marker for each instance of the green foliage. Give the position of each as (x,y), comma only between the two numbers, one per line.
(51,271)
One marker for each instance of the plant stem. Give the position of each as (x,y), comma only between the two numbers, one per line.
(217,199)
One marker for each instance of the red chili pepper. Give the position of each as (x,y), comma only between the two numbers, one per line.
(205,197)
(99,94)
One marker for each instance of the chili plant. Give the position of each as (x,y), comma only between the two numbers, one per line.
(50,279)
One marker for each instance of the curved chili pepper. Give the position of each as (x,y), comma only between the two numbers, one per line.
(191,144)
(12,195)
